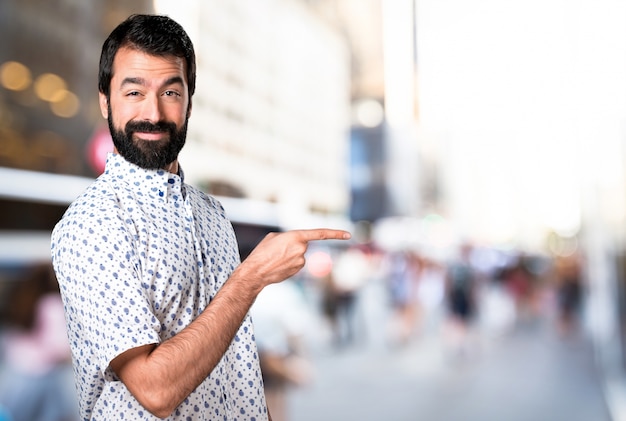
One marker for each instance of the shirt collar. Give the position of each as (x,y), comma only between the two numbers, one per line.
(157,184)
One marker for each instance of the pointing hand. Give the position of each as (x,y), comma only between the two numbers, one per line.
(281,255)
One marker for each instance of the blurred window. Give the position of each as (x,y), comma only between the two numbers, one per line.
(16,214)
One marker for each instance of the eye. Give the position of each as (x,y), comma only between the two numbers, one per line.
(133,93)
(171,93)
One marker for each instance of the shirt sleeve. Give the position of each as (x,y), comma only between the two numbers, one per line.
(101,282)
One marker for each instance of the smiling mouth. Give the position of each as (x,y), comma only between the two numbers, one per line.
(150,135)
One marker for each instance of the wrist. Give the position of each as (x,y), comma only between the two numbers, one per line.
(247,281)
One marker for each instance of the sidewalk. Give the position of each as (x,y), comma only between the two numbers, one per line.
(529,374)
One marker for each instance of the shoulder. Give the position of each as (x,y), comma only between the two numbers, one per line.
(203,199)
(97,207)
(99,196)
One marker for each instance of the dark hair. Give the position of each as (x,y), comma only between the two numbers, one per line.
(152,34)
(20,300)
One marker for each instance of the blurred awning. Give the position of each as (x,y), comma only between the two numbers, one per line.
(41,187)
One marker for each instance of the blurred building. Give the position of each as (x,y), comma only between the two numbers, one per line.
(271,112)
(48,80)
(270,121)
(48,113)
(292,105)
(386,165)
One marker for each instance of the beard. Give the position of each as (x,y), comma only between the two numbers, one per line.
(148,154)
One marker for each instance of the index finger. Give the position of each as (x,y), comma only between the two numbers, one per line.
(323,234)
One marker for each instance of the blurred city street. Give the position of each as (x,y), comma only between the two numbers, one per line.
(475,150)
(529,373)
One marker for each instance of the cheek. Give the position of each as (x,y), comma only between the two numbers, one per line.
(120,116)
(175,114)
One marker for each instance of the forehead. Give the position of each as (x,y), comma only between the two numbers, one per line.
(132,63)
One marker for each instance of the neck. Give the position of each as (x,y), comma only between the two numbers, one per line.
(172,167)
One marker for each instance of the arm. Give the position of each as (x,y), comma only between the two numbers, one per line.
(161,377)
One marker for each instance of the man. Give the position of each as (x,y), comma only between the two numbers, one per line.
(155,297)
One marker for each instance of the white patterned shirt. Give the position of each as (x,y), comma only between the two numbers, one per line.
(138,256)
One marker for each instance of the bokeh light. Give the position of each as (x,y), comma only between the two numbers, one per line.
(65,104)
(319,264)
(369,113)
(15,76)
(49,87)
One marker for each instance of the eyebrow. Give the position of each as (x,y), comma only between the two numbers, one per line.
(141,81)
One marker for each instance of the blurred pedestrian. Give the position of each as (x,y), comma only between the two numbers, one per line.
(569,293)
(520,284)
(36,382)
(498,310)
(350,272)
(461,294)
(281,321)
(403,280)
(155,296)
(430,292)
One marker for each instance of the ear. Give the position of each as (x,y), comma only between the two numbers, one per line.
(104,105)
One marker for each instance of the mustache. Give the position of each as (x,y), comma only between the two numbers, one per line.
(148,127)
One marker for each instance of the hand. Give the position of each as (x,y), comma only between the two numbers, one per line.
(281,255)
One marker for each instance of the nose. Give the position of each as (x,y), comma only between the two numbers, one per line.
(151,109)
